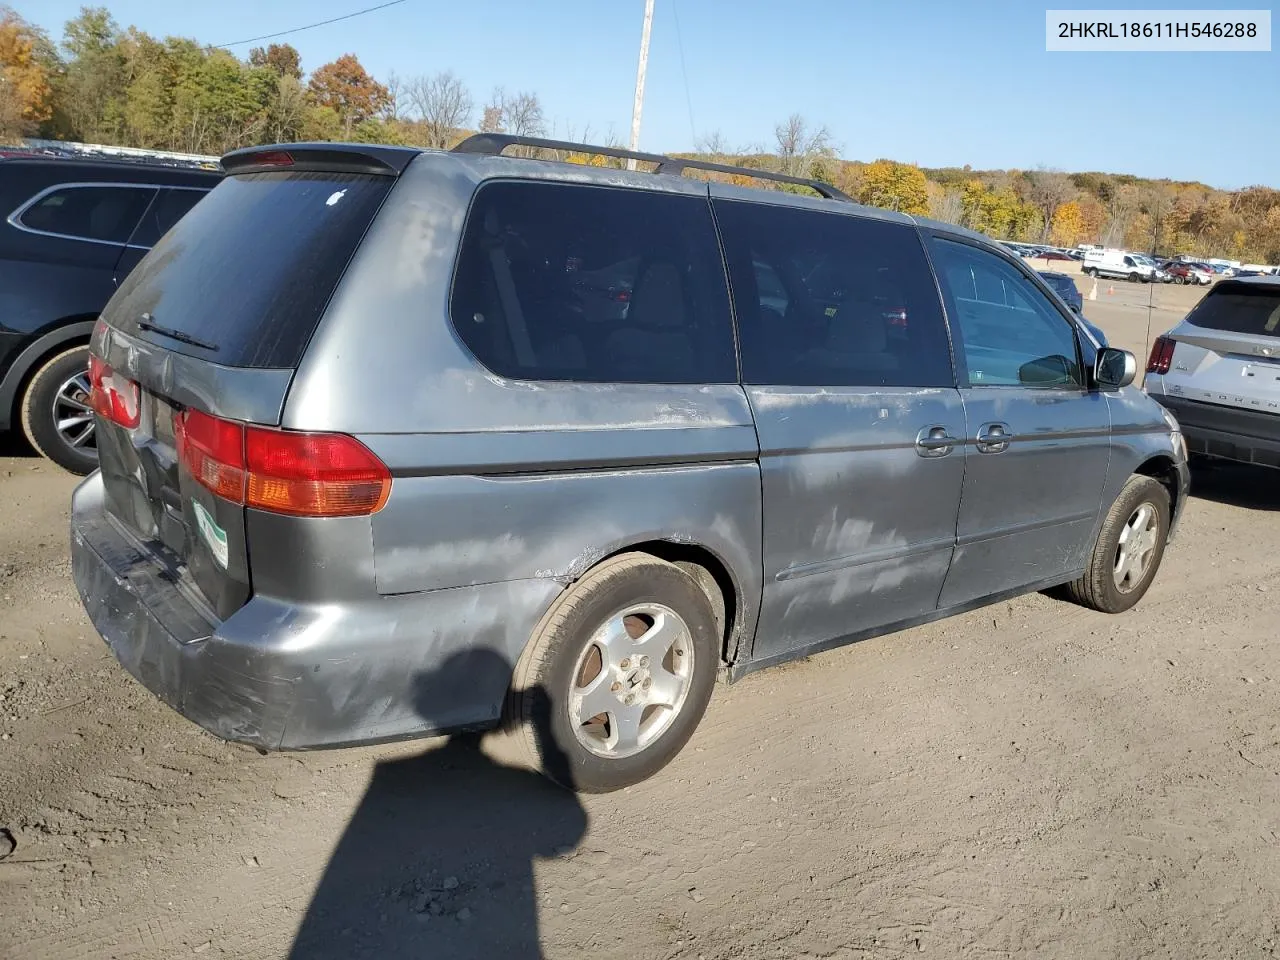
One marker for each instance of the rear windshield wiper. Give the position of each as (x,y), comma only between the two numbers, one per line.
(146,323)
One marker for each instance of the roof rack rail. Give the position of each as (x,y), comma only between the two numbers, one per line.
(492,144)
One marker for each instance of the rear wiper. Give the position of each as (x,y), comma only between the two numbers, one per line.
(146,323)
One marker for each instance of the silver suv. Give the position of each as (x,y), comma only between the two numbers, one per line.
(399,442)
(1219,372)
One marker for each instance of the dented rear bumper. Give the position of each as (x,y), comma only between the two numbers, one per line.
(280,675)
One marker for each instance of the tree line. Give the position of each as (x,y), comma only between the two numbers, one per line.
(103,84)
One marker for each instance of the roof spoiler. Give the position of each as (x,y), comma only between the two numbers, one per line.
(320,158)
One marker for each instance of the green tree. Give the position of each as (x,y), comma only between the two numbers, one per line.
(94,83)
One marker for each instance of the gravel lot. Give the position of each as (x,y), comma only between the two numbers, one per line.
(1030,778)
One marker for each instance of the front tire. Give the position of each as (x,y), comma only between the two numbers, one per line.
(1135,278)
(56,416)
(1128,550)
(617,676)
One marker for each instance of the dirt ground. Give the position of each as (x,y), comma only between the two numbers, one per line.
(1028,779)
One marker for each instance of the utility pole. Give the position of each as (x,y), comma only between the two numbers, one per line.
(644,62)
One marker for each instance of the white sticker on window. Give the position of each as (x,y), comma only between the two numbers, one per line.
(334,198)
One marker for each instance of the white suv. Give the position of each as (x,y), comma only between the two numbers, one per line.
(1218,372)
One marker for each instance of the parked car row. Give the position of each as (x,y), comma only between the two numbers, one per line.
(396,442)
(73,230)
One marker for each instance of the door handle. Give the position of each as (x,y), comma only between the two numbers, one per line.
(994,438)
(935,441)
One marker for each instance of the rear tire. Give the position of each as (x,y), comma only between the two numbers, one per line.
(57,395)
(1180,280)
(634,644)
(1090,271)
(1128,550)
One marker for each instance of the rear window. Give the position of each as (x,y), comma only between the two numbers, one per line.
(244,277)
(593,284)
(1240,308)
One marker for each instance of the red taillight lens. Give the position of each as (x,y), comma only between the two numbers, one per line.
(314,475)
(213,450)
(113,396)
(1161,355)
(301,474)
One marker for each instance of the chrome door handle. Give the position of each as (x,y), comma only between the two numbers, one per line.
(993,438)
(935,442)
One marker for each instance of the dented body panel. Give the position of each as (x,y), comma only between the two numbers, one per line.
(859,527)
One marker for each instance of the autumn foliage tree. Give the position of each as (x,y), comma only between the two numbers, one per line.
(1068,224)
(25,92)
(345,87)
(894,186)
(102,83)
(281,59)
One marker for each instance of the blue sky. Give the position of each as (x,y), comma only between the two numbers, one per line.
(935,83)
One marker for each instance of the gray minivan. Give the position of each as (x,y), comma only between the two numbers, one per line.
(399,442)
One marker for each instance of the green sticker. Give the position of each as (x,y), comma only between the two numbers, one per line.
(213,534)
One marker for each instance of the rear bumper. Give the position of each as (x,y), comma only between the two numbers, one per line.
(287,676)
(1229,433)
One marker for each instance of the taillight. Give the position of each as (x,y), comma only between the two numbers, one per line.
(1161,355)
(111,395)
(282,471)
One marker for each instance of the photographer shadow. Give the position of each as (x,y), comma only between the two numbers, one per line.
(438,859)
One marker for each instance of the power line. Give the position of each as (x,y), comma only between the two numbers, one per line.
(684,74)
(309,26)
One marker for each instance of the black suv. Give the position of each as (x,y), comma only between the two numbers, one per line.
(72,230)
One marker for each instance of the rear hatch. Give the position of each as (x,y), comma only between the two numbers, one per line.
(1227,350)
(196,351)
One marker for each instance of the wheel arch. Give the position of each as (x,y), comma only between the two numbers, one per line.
(713,576)
(69,332)
(1162,469)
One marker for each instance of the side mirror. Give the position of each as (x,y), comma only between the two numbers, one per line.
(1076,309)
(1115,368)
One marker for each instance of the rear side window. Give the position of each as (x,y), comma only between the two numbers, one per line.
(832,300)
(593,284)
(244,277)
(169,206)
(1240,308)
(107,214)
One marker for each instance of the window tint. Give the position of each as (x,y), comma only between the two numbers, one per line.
(832,300)
(1011,333)
(167,209)
(251,267)
(89,213)
(568,282)
(1240,308)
